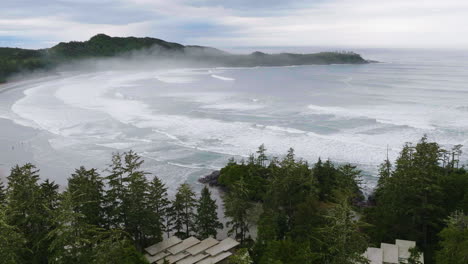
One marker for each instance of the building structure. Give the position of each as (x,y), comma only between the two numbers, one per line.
(391,253)
(190,251)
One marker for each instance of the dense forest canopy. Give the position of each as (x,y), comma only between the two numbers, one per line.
(282,211)
(14,60)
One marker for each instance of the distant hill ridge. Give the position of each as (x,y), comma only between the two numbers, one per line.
(15,60)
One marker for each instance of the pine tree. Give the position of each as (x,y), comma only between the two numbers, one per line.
(349,179)
(159,206)
(237,206)
(49,198)
(242,256)
(115,195)
(182,211)
(454,240)
(116,248)
(138,212)
(73,239)
(26,209)
(12,243)
(2,194)
(410,202)
(87,195)
(342,242)
(261,158)
(206,221)
(327,177)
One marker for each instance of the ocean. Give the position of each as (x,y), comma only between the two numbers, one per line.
(187,122)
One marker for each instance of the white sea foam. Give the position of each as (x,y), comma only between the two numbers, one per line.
(418,116)
(233,106)
(223,78)
(94,110)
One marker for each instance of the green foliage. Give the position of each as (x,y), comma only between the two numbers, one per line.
(242,256)
(159,207)
(182,212)
(105,46)
(415,257)
(2,194)
(206,220)
(303,214)
(73,238)
(340,239)
(287,252)
(237,206)
(116,248)
(14,60)
(86,192)
(413,199)
(293,199)
(29,209)
(12,243)
(90,222)
(128,200)
(454,240)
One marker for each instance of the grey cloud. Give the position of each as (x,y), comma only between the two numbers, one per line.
(93,12)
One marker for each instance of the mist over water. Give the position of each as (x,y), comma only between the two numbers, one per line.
(186,122)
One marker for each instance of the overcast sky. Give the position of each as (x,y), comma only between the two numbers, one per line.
(240,23)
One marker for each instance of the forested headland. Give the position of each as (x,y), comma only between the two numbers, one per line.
(282,210)
(15,60)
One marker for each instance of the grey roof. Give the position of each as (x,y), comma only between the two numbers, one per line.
(215,259)
(224,245)
(390,252)
(163,245)
(193,259)
(152,259)
(405,243)
(403,248)
(203,245)
(190,251)
(189,242)
(174,258)
(374,255)
(157,257)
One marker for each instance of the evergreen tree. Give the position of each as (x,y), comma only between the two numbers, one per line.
(385,172)
(242,256)
(182,211)
(415,256)
(86,190)
(73,239)
(326,175)
(237,206)
(27,210)
(114,247)
(49,199)
(159,207)
(454,240)
(261,158)
(206,220)
(116,192)
(349,180)
(127,199)
(138,213)
(341,240)
(12,243)
(412,200)
(2,194)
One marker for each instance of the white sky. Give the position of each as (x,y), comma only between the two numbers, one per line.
(241,23)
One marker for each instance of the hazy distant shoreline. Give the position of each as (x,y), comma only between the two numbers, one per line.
(15,60)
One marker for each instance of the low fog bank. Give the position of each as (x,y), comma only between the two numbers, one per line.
(63,58)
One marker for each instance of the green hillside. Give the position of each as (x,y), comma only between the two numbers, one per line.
(15,60)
